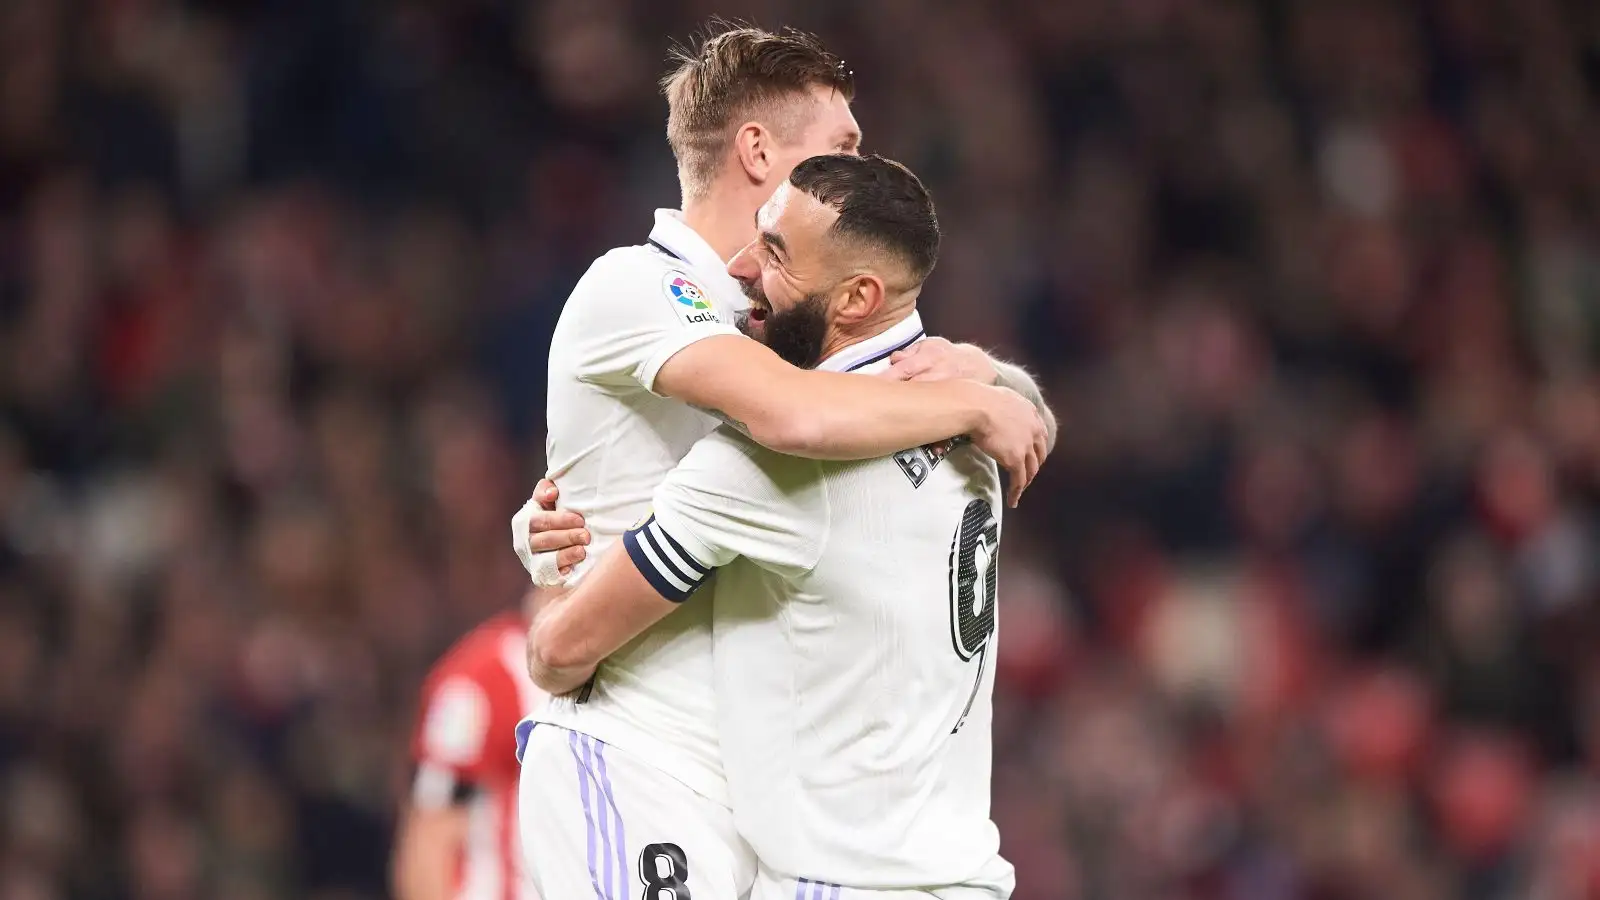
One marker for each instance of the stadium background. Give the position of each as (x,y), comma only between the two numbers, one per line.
(1304,605)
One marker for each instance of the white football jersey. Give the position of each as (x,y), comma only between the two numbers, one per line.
(853,648)
(611,442)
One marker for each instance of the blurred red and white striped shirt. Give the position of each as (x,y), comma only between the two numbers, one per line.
(465,752)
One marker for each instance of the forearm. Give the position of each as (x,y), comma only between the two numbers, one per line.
(425,858)
(537,604)
(832,415)
(540,598)
(578,629)
(1015,378)
(557,671)
(557,680)
(820,415)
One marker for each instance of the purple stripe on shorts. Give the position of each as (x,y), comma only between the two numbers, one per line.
(835,894)
(588,811)
(603,814)
(818,889)
(616,815)
(800,888)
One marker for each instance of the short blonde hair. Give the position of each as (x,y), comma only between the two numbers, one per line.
(735,73)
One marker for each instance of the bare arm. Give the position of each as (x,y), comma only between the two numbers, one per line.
(426,849)
(722,502)
(572,634)
(936,359)
(821,415)
(835,415)
(1015,378)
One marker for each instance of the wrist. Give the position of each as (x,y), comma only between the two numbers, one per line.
(979,408)
(984,369)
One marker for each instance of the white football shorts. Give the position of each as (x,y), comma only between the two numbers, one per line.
(599,824)
(997,884)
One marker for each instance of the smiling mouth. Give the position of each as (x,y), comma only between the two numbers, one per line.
(759,307)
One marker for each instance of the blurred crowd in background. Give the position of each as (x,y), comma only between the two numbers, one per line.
(1305,605)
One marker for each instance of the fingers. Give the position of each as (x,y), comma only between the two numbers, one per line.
(913,367)
(1017,478)
(546,494)
(554,520)
(559,539)
(555,530)
(1031,464)
(912,350)
(1027,469)
(1035,461)
(1021,474)
(570,557)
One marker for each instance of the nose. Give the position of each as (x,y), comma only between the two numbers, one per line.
(743,266)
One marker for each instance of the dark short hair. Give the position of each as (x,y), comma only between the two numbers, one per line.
(879,201)
(733,73)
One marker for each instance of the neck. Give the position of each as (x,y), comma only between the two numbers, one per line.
(724,218)
(842,338)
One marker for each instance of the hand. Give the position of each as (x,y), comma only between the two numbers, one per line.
(549,541)
(936,359)
(1015,436)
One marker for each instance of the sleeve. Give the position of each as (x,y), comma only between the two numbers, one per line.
(728,498)
(634,321)
(452,743)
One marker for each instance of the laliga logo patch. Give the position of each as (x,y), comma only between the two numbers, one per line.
(687,292)
(692,303)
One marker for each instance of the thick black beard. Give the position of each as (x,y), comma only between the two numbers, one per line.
(797,333)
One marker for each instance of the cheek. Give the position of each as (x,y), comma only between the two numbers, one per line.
(786,160)
(774,280)
(820,146)
(780,294)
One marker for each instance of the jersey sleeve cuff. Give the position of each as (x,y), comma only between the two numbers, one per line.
(674,341)
(670,569)
(440,787)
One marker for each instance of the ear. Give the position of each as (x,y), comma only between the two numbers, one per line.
(753,147)
(861,298)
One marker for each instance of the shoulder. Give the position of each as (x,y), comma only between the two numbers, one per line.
(634,283)
(631,262)
(730,497)
(634,267)
(730,475)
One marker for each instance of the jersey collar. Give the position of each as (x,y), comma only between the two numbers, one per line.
(678,242)
(872,354)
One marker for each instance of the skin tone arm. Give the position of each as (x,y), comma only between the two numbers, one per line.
(936,359)
(1015,378)
(578,629)
(836,415)
(931,359)
(426,848)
